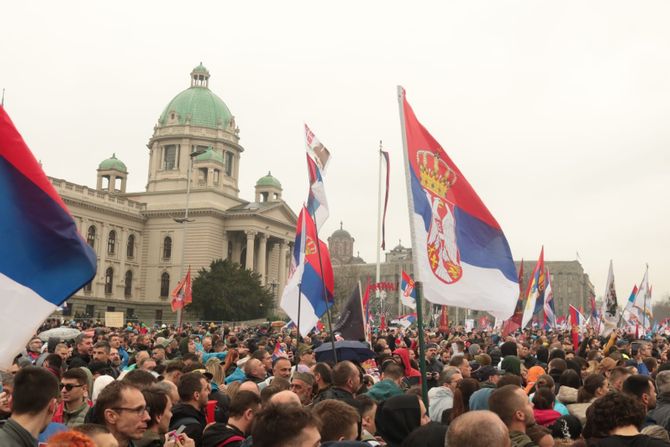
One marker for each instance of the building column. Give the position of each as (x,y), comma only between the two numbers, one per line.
(262,252)
(251,235)
(282,266)
(224,255)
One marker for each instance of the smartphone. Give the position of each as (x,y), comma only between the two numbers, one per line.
(174,434)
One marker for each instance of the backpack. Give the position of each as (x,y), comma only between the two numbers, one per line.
(233,438)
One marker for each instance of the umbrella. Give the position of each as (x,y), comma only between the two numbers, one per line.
(63,333)
(346,350)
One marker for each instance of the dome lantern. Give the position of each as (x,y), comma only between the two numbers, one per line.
(200,76)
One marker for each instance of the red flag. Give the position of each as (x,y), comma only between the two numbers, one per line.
(444,320)
(182,294)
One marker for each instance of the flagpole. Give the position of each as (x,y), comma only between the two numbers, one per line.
(299,303)
(415,260)
(378,293)
(644,310)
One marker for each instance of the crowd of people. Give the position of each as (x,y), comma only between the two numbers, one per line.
(213,386)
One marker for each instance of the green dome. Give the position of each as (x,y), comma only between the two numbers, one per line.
(210,154)
(197,104)
(113,163)
(268,180)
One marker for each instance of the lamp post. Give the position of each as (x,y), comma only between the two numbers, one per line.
(185,220)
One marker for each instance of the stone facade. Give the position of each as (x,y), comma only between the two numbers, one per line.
(145,241)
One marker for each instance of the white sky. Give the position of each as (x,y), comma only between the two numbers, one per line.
(556,112)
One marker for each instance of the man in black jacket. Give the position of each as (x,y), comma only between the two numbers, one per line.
(241,415)
(190,411)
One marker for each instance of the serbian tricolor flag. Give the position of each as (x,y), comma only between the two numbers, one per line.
(405,320)
(460,253)
(183,293)
(317,204)
(577,320)
(407,291)
(278,352)
(305,287)
(535,292)
(43,258)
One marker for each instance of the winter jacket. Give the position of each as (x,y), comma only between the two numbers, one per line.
(218,434)
(71,418)
(520,439)
(567,395)
(383,390)
(441,398)
(337,394)
(479,400)
(631,441)
(13,434)
(579,410)
(193,419)
(661,414)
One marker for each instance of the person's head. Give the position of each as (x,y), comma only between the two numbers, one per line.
(84,344)
(431,351)
(339,421)
(464,390)
(617,377)
(663,382)
(286,426)
(100,434)
(595,386)
(35,394)
(540,435)
(612,411)
(207,344)
(74,386)
(194,389)
(302,384)
(462,364)
(641,349)
(512,406)
(243,408)
(570,378)
(159,406)
(173,371)
(254,369)
(34,345)
(398,416)
(322,374)
(346,376)
(466,430)
(250,385)
(392,371)
(62,351)
(139,378)
(642,388)
(101,352)
(169,388)
(367,408)
(281,367)
(122,409)
(544,398)
(265,357)
(115,341)
(69,439)
(450,377)
(284,397)
(307,355)
(158,353)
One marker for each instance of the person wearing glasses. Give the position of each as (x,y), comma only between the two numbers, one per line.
(122,409)
(74,393)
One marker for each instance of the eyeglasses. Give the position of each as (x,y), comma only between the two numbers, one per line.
(139,411)
(68,386)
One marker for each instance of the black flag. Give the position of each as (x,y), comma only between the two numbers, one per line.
(351,324)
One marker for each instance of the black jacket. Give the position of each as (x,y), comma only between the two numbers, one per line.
(193,420)
(335,393)
(218,433)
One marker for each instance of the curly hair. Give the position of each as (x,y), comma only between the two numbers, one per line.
(70,439)
(612,411)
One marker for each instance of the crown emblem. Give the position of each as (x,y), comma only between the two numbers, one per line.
(310,246)
(434,174)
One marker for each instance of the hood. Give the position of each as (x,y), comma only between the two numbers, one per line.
(397,417)
(383,390)
(512,365)
(546,417)
(567,394)
(403,353)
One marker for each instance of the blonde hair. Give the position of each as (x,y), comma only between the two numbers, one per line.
(213,366)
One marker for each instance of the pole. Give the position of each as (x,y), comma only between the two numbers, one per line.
(422,347)
(299,302)
(379,295)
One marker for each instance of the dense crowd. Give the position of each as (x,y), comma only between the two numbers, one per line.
(212,386)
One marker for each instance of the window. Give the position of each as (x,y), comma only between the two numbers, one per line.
(170,157)
(202,176)
(90,237)
(109,280)
(130,248)
(128,285)
(159,316)
(111,242)
(90,310)
(229,164)
(165,284)
(88,287)
(167,247)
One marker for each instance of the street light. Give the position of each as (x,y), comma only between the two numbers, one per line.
(184,220)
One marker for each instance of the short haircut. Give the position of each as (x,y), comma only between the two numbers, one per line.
(91,429)
(277,359)
(269,391)
(306,377)
(81,337)
(259,354)
(55,361)
(102,345)
(139,378)
(364,403)
(342,372)
(156,400)
(324,370)
(34,388)
(189,384)
(611,411)
(557,364)
(618,372)
(466,430)
(456,360)
(510,379)
(77,374)
(336,418)
(505,402)
(663,382)
(174,365)
(637,385)
(393,371)
(250,365)
(545,381)
(281,425)
(447,375)
(243,401)
(110,397)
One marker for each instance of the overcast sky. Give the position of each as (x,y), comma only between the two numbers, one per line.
(556,112)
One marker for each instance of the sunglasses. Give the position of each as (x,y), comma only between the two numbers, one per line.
(68,386)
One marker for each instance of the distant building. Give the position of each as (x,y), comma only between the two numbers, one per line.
(139,236)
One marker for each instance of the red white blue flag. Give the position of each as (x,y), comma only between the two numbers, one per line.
(310,287)
(535,292)
(43,258)
(461,255)
(407,291)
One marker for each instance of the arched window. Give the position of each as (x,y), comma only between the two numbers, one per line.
(128,289)
(167,248)
(90,236)
(130,248)
(109,280)
(165,284)
(111,242)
